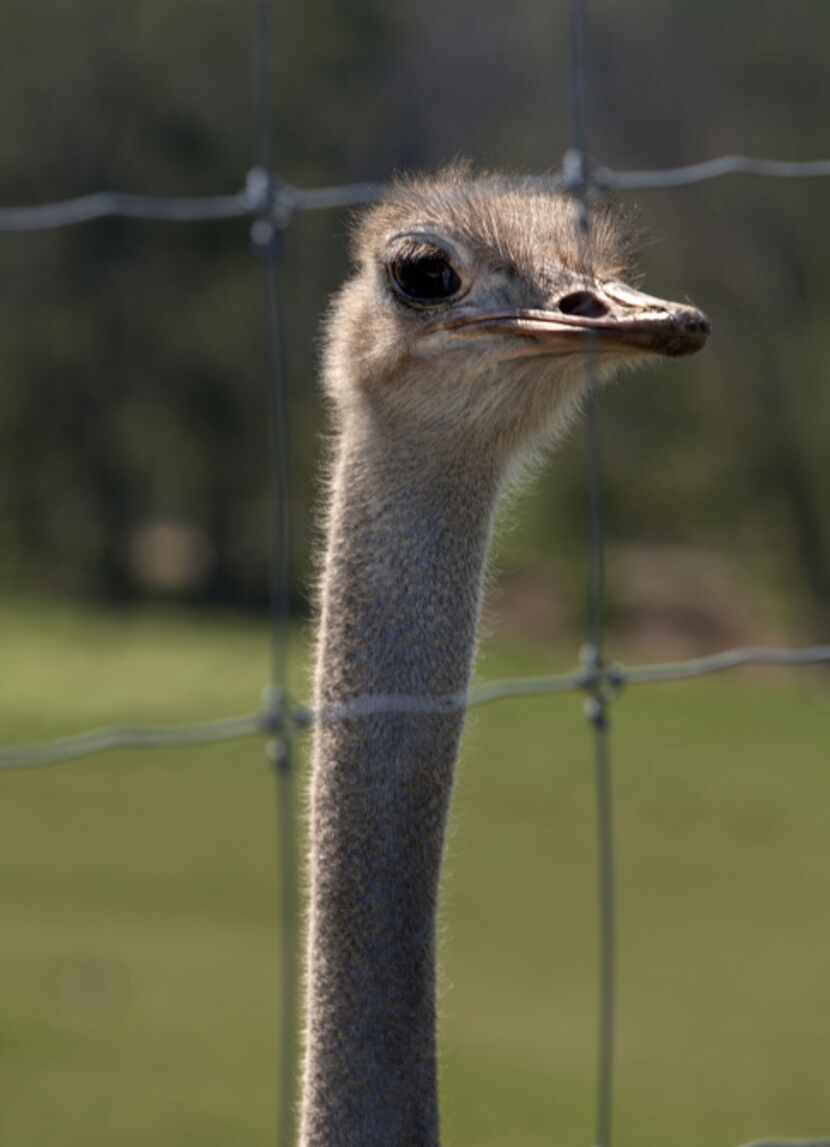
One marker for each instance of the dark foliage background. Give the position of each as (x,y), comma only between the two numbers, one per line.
(131,355)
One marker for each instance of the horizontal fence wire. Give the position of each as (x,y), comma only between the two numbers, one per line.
(72,748)
(288,199)
(112,204)
(283,710)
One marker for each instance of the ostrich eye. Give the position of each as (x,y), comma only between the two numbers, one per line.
(424,278)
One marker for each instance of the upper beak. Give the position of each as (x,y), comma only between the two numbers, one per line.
(607,318)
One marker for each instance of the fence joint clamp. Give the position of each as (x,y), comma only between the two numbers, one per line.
(602,683)
(272,203)
(279,722)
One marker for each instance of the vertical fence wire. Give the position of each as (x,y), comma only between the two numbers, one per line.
(267,239)
(281,748)
(578,170)
(263,83)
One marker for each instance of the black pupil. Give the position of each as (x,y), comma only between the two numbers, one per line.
(428,278)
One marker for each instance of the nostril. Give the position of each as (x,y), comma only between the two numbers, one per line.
(583,303)
(697,323)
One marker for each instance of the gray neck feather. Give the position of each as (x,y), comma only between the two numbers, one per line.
(401,591)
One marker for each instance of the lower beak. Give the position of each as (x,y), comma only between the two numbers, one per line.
(616,320)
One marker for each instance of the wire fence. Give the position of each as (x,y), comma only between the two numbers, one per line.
(271,204)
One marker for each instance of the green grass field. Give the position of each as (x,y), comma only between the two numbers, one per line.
(138,975)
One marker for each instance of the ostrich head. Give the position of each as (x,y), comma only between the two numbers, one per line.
(473,306)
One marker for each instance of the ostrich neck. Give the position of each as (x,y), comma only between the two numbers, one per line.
(400,602)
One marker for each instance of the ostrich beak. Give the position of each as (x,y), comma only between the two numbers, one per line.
(611,318)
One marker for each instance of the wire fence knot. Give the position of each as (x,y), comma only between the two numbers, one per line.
(272,203)
(275,717)
(277,722)
(601,682)
(574,175)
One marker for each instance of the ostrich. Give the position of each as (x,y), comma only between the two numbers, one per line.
(453,354)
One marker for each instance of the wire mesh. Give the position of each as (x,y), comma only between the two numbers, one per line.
(270,204)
